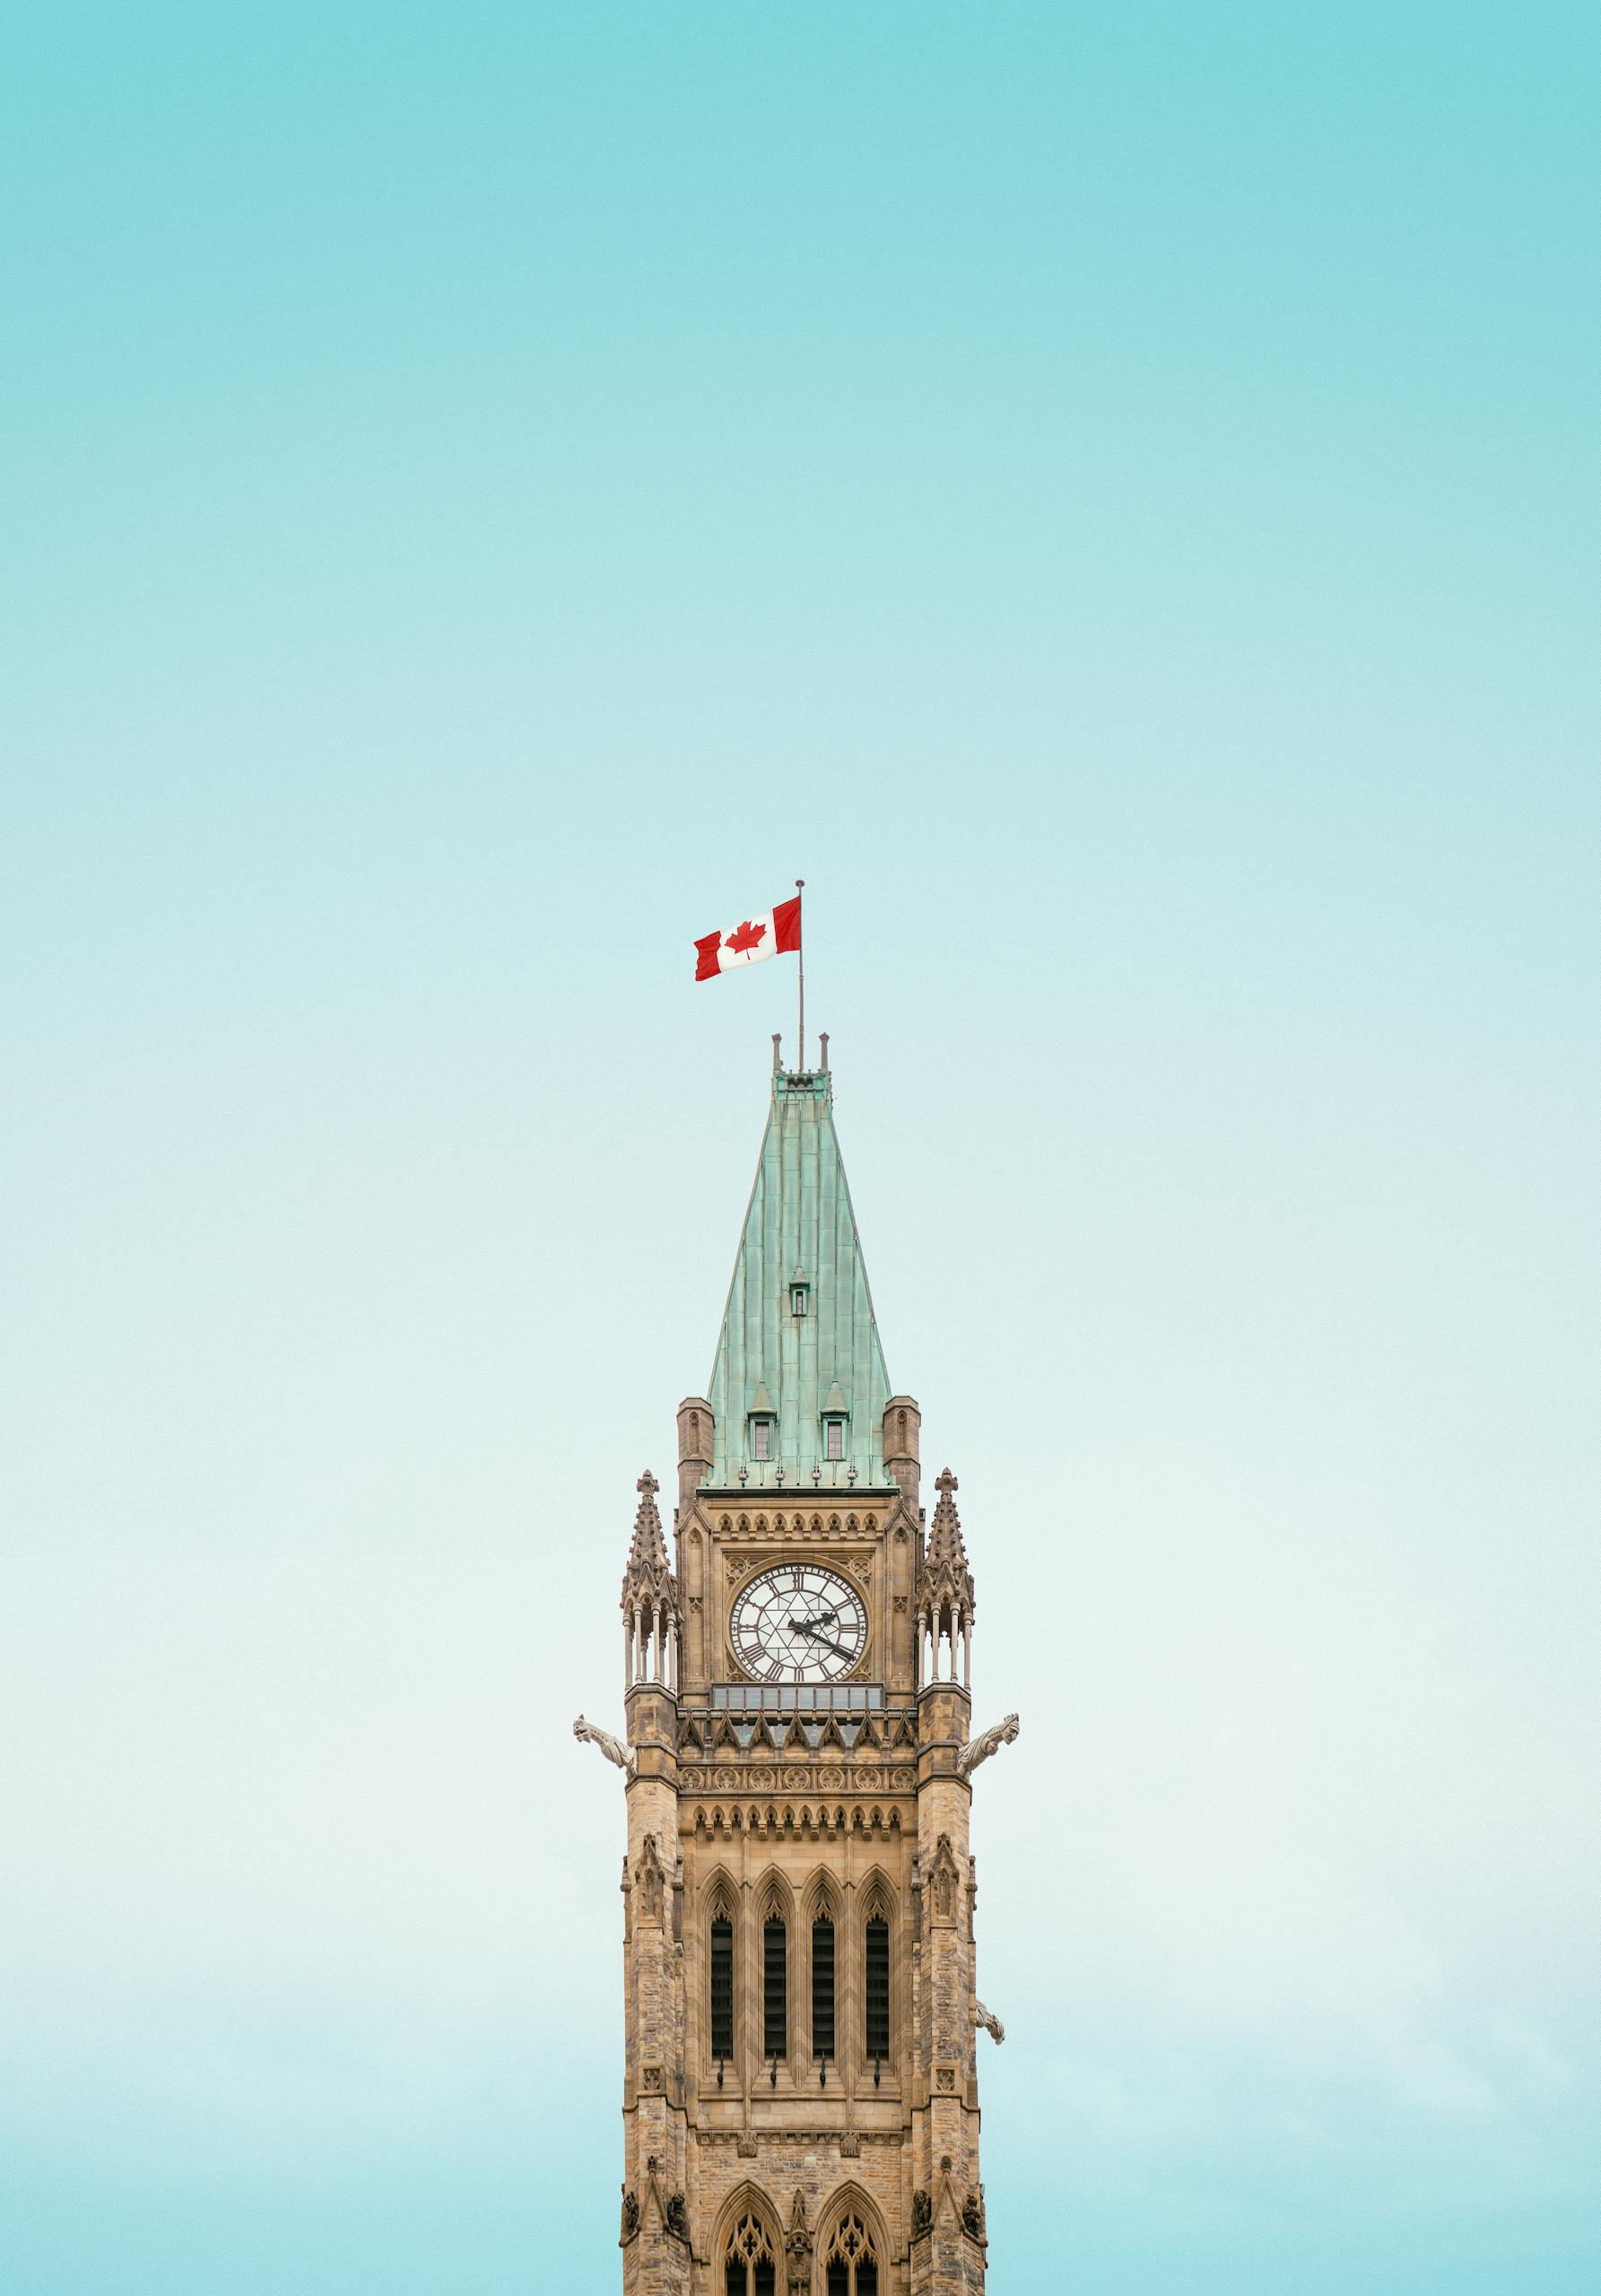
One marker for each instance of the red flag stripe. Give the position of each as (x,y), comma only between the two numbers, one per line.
(787,926)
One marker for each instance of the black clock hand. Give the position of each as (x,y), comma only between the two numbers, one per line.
(807,1626)
(826,1643)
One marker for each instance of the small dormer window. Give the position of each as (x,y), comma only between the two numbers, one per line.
(798,1295)
(762,1437)
(834,1438)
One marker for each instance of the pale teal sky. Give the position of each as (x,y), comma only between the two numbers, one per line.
(1110,498)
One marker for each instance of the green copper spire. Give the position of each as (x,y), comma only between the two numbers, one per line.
(799,1348)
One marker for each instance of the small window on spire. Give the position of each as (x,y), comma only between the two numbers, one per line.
(833,1438)
(762,1437)
(797,1298)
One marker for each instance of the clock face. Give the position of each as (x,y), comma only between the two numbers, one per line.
(798,1625)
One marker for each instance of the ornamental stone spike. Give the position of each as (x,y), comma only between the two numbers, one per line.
(648,1572)
(651,1620)
(946,1606)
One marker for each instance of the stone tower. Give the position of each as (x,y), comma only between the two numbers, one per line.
(800,2089)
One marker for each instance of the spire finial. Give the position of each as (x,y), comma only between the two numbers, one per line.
(648,1482)
(945,1482)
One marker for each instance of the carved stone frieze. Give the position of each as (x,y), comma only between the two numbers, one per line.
(867,1777)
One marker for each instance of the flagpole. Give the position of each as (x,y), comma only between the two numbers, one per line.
(800,952)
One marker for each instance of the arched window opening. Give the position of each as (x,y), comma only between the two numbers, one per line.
(722,1988)
(852,2263)
(775,1988)
(876,1989)
(822,1988)
(750,2260)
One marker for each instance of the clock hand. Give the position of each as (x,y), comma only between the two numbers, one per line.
(825,1642)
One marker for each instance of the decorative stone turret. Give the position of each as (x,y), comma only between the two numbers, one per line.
(902,1427)
(651,1613)
(947,1604)
(655,2237)
(947,2227)
(695,1430)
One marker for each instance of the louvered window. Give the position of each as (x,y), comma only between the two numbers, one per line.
(775,1990)
(822,1988)
(833,1431)
(878,1987)
(722,1989)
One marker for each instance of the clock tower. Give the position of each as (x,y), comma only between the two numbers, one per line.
(800,2086)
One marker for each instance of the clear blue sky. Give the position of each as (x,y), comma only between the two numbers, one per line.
(1107,496)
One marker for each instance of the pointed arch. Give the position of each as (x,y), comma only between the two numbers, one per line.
(876,1893)
(773,1893)
(747,2245)
(821,1898)
(853,2247)
(720,1893)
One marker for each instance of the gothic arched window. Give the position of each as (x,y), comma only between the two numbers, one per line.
(722,1986)
(875,1991)
(775,1986)
(822,1987)
(749,2259)
(852,2263)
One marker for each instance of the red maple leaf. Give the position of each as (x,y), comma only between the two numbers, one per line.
(744,936)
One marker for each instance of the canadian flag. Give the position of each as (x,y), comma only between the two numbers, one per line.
(746,944)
